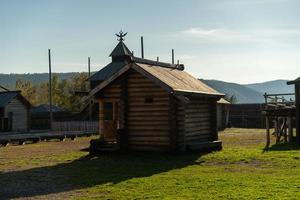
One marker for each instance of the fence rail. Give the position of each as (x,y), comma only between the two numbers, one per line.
(92,126)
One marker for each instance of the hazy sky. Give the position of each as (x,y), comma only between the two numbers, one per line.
(242,41)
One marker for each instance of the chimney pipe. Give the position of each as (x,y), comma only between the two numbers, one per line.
(142,46)
(157,59)
(173,56)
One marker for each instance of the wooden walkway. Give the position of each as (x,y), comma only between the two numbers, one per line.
(7,138)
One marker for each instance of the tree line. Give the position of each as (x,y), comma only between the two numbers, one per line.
(63,91)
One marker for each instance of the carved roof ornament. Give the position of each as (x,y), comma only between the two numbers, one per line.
(121,36)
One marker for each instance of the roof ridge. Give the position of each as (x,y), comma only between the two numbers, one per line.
(157,63)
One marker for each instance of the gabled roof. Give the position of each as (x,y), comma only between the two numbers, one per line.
(121,50)
(107,71)
(223,101)
(179,81)
(46,108)
(7,96)
(294,81)
(3,89)
(172,80)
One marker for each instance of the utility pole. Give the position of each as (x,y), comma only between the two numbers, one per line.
(90,100)
(89,66)
(50,90)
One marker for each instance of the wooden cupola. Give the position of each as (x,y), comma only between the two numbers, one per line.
(121,53)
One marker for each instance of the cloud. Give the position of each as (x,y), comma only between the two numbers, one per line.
(215,35)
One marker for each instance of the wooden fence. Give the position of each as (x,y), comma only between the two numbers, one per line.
(91,126)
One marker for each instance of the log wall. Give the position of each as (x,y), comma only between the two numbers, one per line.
(198,121)
(148,121)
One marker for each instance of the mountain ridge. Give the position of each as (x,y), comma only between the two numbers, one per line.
(244,93)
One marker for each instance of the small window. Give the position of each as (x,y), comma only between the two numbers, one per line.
(148,100)
(108,111)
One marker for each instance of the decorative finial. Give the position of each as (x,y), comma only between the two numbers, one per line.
(121,36)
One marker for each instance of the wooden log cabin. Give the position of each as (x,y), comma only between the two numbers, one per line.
(14,112)
(152,106)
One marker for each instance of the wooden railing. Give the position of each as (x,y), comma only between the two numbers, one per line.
(91,126)
(275,101)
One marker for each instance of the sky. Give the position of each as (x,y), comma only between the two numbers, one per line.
(242,41)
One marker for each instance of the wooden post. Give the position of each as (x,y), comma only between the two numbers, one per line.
(297,96)
(267,132)
(290,129)
(173,56)
(142,46)
(285,136)
(90,100)
(50,90)
(101,118)
(89,66)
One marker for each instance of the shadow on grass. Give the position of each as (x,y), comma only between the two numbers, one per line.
(283,147)
(89,171)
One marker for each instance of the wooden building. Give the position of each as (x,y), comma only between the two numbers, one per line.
(150,105)
(297,109)
(14,112)
(223,107)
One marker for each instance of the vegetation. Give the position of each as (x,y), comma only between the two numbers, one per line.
(62,90)
(242,170)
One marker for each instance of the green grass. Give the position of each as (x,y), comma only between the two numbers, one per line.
(242,170)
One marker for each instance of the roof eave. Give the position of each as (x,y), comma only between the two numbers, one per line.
(199,93)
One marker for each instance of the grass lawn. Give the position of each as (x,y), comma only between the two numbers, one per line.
(63,170)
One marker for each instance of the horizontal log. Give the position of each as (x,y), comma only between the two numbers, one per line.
(197,133)
(156,99)
(161,115)
(148,127)
(145,117)
(146,94)
(147,122)
(199,123)
(148,109)
(196,129)
(148,133)
(149,139)
(152,147)
(197,119)
(143,104)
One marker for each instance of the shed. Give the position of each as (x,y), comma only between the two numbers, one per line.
(14,112)
(223,107)
(150,105)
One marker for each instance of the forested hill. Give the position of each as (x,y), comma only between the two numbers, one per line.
(9,80)
(241,93)
(250,93)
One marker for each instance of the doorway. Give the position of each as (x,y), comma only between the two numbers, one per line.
(110,120)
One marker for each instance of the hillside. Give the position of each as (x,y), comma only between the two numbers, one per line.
(242,93)
(276,86)
(249,93)
(9,80)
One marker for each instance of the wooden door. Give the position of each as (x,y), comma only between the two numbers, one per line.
(110,120)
